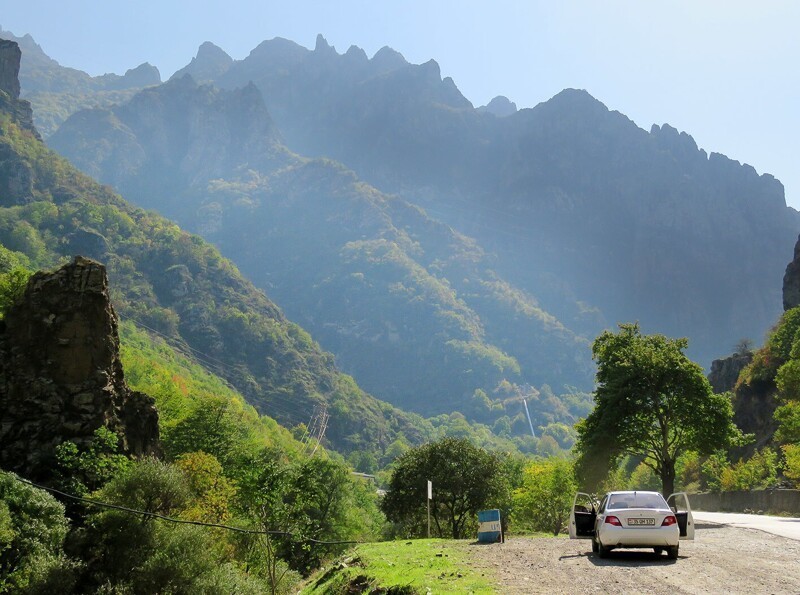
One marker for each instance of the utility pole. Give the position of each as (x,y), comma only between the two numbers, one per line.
(316,430)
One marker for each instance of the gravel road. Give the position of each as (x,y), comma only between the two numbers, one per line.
(721,559)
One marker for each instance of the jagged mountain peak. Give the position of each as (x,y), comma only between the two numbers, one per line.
(386,59)
(576,100)
(357,54)
(210,62)
(322,45)
(277,47)
(501,106)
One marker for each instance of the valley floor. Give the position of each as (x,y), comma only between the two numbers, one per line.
(721,559)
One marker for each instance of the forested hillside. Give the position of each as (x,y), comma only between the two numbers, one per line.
(539,227)
(411,308)
(180,286)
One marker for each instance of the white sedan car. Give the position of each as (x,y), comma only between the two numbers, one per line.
(632,520)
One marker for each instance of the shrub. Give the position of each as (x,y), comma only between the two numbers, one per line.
(544,500)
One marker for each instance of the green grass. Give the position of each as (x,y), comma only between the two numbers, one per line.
(418,566)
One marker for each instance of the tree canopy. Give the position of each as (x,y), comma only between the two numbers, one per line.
(465,480)
(651,402)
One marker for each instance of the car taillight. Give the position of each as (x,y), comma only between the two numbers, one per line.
(668,520)
(612,520)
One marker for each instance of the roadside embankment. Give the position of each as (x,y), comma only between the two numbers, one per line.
(773,501)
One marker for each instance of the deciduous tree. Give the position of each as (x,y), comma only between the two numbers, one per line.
(652,402)
(544,500)
(465,480)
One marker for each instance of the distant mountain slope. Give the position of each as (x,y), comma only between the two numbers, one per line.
(179,285)
(56,91)
(413,309)
(642,225)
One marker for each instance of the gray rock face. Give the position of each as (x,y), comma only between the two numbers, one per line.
(16,178)
(10,56)
(60,373)
(791,281)
(10,103)
(725,371)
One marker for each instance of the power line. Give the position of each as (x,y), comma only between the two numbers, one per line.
(179,521)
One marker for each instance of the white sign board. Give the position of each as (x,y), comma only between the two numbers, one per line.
(430,490)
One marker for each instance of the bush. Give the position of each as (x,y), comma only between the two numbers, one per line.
(791,466)
(759,471)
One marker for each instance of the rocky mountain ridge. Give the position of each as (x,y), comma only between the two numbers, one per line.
(41,73)
(615,222)
(56,91)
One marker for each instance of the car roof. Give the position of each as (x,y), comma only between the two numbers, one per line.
(631,492)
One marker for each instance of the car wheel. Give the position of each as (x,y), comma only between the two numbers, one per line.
(602,550)
(594,546)
(672,552)
(658,550)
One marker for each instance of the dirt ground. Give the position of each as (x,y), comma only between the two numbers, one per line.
(721,559)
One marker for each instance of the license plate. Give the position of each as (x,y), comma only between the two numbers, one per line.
(641,522)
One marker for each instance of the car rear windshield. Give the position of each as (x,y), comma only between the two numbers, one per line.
(636,500)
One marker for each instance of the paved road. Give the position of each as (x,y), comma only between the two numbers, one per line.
(777,525)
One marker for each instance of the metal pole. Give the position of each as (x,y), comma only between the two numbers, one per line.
(429,519)
(430,495)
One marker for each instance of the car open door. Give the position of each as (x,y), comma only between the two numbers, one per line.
(582,516)
(679,502)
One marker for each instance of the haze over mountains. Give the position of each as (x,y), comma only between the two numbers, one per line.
(510,238)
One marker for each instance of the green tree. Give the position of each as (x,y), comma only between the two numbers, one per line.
(544,500)
(130,553)
(12,286)
(465,480)
(651,402)
(82,470)
(32,532)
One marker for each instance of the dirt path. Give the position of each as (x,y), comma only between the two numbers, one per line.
(721,560)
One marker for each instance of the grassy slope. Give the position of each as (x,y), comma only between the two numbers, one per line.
(420,566)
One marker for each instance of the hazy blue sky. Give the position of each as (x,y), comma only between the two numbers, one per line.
(725,71)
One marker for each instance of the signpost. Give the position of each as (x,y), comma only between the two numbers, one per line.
(430,497)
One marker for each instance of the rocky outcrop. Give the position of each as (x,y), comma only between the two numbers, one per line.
(10,56)
(725,371)
(61,377)
(791,281)
(10,103)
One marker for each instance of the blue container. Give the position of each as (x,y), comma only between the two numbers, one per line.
(489,529)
